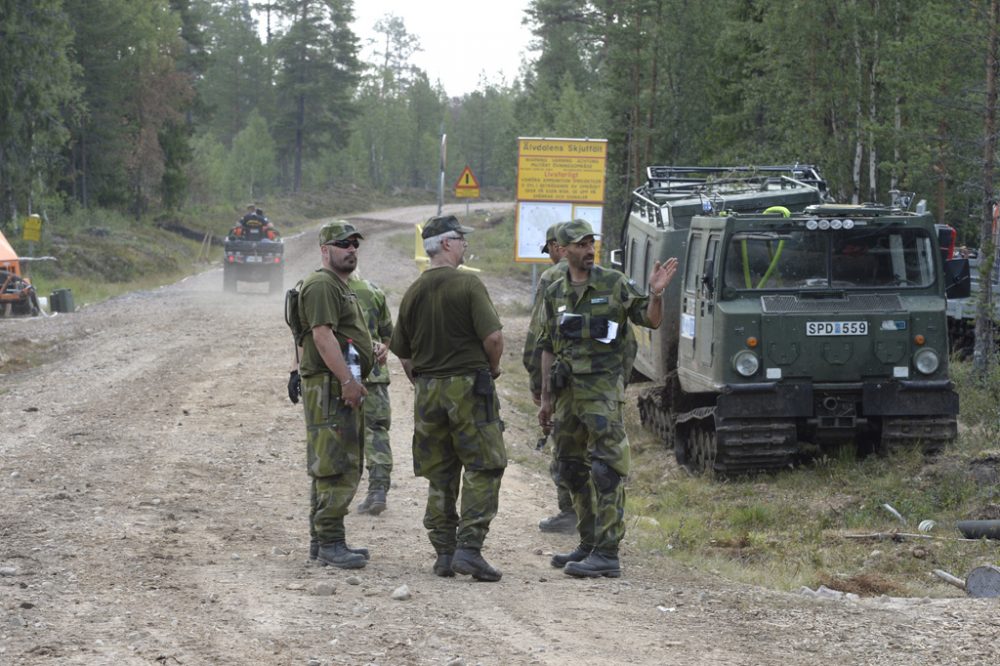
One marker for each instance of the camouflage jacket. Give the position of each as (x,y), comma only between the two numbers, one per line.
(371,299)
(532,357)
(578,330)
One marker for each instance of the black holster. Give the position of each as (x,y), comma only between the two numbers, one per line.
(483,387)
(560,376)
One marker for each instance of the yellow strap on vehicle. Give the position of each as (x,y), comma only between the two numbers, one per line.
(774,260)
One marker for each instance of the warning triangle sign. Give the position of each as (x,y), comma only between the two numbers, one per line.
(467,181)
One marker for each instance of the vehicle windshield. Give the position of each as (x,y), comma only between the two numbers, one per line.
(862,257)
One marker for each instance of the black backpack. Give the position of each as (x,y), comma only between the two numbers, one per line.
(292,317)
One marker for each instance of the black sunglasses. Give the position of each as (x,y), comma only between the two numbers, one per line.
(344,244)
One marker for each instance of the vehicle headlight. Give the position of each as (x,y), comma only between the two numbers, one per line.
(746,363)
(926,361)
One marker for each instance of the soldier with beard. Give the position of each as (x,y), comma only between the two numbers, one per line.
(332,397)
(584,348)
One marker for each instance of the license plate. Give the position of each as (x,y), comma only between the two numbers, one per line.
(825,328)
(253,260)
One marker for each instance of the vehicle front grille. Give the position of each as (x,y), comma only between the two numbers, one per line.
(873,303)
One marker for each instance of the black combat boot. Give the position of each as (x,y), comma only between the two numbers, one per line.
(578,554)
(374,502)
(469,562)
(339,555)
(442,566)
(314,550)
(563,522)
(596,565)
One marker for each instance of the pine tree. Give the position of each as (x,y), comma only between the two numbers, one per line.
(316,82)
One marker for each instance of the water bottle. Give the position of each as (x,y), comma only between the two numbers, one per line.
(353,360)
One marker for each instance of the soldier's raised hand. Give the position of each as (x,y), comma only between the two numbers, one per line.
(662,275)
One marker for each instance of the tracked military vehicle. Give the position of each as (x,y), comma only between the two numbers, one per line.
(795,324)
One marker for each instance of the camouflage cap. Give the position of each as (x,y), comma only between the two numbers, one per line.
(574,232)
(550,235)
(442,225)
(337,230)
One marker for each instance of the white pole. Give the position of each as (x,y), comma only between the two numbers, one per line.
(444,158)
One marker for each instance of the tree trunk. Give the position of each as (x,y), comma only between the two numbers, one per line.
(654,80)
(84,183)
(300,118)
(636,115)
(858,119)
(4,191)
(872,108)
(983,351)
(897,115)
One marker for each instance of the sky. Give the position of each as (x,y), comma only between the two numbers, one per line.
(460,39)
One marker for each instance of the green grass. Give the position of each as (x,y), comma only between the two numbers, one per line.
(791,528)
(979,396)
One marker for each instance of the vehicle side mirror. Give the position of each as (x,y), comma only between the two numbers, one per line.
(616,259)
(957,278)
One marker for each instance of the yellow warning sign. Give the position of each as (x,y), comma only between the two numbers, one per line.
(561,170)
(32,228)
(467,186)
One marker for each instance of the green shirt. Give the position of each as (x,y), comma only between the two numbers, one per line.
(377,317)
(326,300)
(443,319)
(598,367)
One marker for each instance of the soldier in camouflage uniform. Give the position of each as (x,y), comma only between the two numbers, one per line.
(449,339)
(378,412)
(329,315)
(583,341)
(565,520)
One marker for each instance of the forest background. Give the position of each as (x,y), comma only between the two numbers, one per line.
(153,111)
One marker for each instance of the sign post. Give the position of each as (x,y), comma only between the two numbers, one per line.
(444,159)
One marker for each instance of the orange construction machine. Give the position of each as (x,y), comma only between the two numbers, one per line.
(17,296)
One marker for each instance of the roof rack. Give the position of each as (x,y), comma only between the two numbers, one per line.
(694,179)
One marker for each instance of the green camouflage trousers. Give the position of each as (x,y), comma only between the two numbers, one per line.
(334,453)
(378,452)
(456,440)
(563,496)
(594,459)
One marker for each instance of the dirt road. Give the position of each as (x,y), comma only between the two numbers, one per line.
(153,502)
